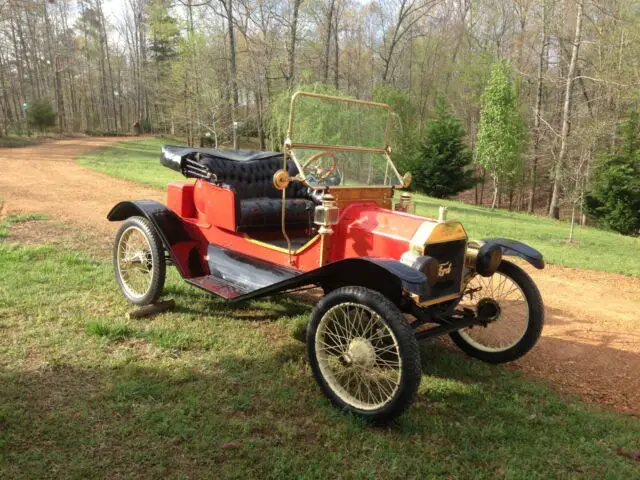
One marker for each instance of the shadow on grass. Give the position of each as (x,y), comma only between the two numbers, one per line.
(263,417)
(265,309)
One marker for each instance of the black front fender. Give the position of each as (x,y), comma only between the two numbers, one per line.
(171,230)
(378,270)
(518,249)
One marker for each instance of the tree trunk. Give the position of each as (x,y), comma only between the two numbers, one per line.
(495,193)
(232,69)
(538,113)
(327,45)
(573,217)
(293,34)
(554,208)
(57,81)
(336,69)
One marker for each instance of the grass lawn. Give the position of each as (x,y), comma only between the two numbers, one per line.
(18,218)
(136,160)
(594,249)
(13,141)
(207,391)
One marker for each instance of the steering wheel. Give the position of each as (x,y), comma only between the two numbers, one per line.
(320,172)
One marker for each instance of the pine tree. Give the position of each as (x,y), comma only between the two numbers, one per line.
(614,197)
(501,129)
(440,168)
(40,114)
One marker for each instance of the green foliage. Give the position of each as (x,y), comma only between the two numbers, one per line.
(440,168)
(501,129)
(404,110)
(278,119)
(403,135)
(164,31)
(41,114)
(145,125)
(614,197)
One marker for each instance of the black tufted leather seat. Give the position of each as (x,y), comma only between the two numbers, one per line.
(258,202)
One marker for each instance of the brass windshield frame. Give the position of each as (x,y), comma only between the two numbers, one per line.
(290,145)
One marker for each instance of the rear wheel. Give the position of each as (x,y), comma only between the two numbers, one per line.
(363,353)
(517,315)
(139,262)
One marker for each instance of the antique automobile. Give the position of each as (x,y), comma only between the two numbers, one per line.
(322,213)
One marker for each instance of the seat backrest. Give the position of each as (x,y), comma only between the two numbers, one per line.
(254,178)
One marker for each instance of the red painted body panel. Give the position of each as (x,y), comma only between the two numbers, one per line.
(367,230)
(180,198)
(364,228)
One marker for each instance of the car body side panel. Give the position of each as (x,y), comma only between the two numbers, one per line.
(253,275)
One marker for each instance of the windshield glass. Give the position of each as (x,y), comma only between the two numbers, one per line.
(340,141)
(329,168)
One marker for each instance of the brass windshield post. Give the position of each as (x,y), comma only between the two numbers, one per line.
(283,185)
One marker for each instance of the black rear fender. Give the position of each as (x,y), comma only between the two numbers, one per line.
(181,244)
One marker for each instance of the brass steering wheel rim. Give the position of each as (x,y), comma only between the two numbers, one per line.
(318,155)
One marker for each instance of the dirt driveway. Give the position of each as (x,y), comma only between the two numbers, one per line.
(590,345)
(44,178)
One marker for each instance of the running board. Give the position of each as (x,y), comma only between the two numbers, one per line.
(235,275)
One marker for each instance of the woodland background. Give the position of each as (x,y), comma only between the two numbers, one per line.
(191,68)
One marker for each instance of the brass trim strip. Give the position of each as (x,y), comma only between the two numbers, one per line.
(280,249)
(339,148)
(341,99)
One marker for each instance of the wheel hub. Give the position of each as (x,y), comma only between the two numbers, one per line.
(138,257)
(360,352)
(488,310)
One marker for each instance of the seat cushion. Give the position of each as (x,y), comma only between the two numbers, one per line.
(265,212)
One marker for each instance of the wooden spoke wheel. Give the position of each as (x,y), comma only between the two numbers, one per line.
(139,261)
(363,353)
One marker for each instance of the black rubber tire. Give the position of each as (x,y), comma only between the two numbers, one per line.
(411,372)
(534,328)
(158,259)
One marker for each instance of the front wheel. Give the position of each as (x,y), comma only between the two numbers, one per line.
(518,317)
(139,263)
(363,353)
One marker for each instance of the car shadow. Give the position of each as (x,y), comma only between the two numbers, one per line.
(240,412)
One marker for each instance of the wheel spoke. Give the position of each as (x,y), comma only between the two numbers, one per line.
(511,324)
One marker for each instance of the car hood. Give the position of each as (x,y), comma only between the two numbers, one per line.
(369,230)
